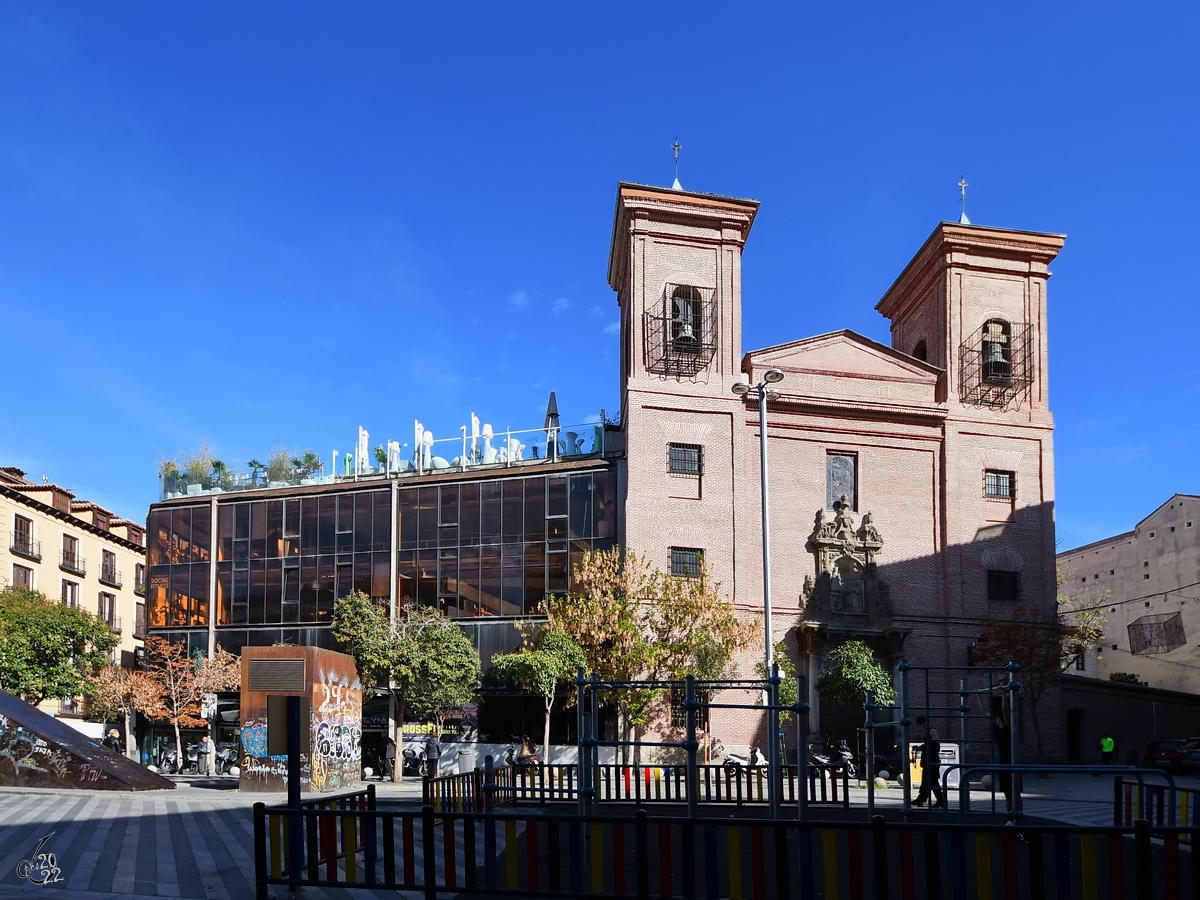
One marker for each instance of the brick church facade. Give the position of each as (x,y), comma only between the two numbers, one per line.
(911,485)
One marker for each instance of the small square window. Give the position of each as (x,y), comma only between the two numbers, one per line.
(1189,524)
(1172,527)
(1152,534)
(998,485)
(686,561)
(1146,565)
(1112,571)
(685,459)
(1003,585)
(1146,577)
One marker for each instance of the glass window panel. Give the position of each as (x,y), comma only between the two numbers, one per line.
(158,536)
(308,526)
(180,549)
(489,580)
(225,532)
(535,577)
(427,577)
(157,596)
(535,509)
(578,550)
(514,507)
(381,576)
(468,514)
(327,525)
(489,512)
(448,536)
(202,534)
(407,512)
(468,581)
(381,520)
(604,505)
(224,591)
(406,579)
(363,518)
(274,545)
(556,573)
(273,592)
(199,609)
(513,581)
(427,517)
(362,573)
(308,587)
(326,587)
(258,532)
(581,506)
(448,582)
(345,513)
(239,613)
(257,598)
(841,478)
(291,518)
(556,496)
(344,576)
(178,611)
(448,504)
(241,522)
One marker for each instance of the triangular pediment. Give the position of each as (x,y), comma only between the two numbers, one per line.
(846,364)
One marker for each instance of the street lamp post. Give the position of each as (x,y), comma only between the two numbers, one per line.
(765,393)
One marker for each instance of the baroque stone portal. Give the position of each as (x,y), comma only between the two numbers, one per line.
(847,588)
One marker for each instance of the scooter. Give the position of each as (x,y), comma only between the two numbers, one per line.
(844,760)
(753,760)
(415,761)
(225,759)
(525,759)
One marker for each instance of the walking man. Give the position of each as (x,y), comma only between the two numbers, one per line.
(1107,747)
(931,770)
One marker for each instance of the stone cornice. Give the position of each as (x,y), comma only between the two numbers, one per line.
(72,520)
(1033,248)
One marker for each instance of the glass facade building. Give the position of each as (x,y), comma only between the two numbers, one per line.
(268,567)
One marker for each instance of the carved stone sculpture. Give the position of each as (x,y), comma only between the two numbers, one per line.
(846,586)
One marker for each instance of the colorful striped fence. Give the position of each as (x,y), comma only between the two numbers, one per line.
(658,857)
(1152,802)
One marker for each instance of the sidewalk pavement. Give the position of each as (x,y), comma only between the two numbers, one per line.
(197,841)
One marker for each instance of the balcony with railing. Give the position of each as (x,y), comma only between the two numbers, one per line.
(23,545)
(110,576)
(474,449)
(72,706)
(139,622)
(72,562)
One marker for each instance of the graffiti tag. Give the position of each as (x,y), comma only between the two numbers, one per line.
(40,868)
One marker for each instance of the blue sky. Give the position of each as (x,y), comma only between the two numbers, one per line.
(270,223)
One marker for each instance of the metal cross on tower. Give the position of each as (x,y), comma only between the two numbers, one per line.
(962,190)
(677,147)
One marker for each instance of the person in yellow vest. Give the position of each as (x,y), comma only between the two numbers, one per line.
(1107,747)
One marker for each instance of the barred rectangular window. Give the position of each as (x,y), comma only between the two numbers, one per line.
(685,459)
(1001,485)
(1003,585)
(685,561)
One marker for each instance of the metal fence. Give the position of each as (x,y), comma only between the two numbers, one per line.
(343,843)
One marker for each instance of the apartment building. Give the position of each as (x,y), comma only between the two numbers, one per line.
(76,551)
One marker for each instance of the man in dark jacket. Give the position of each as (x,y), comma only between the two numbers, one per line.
(112,740)
(931,770)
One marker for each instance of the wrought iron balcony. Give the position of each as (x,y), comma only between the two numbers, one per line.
(139,623)
(111,577)
(24,546)
(73,562)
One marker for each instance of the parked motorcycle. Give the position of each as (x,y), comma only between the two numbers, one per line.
(512,758)
(752,760)
(842,758)
(226,758)
(168,762)
(415,760)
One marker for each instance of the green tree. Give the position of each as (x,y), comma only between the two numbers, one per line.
(48,650)
(423,656)
(851,673)
(633,621)
(548,658)
(255,464)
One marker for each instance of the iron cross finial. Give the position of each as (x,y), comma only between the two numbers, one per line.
(676,147)
(962,187)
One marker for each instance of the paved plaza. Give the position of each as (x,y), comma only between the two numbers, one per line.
(197,841)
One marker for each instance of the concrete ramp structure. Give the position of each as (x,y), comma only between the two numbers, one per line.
(37,750)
